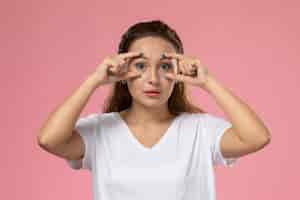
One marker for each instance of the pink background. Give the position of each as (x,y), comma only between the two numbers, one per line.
(49,47)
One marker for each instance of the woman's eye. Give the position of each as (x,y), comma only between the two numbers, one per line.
(166,66)
(138,65)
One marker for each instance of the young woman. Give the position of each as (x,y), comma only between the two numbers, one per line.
(151,142)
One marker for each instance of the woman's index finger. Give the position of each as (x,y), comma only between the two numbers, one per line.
(130,54)
(173,55)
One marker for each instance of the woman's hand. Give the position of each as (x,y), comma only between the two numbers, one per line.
(189,69)
(114,68)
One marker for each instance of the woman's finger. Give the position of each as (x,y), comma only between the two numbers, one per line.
(127,55)
(182,67)
(174,55)
(177,77)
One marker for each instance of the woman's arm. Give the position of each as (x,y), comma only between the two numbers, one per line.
(60,123)
(248,133)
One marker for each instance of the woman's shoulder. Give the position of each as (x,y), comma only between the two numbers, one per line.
(97,116)
(190,115)
(204,118)
(111,116)
(201,115)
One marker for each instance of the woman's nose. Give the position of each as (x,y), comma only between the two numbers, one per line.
(153,75)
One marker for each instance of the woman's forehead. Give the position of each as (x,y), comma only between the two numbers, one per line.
(152,47)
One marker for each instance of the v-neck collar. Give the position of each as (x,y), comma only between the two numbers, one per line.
(135,140)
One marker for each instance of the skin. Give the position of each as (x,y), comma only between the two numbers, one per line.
(149,110)
(248,133)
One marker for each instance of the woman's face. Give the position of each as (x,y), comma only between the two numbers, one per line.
(152,67)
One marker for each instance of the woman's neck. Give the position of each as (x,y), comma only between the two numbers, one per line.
(154,116)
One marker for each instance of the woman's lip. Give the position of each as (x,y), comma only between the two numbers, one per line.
(152,92)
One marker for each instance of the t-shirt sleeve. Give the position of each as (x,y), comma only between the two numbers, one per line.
(86,127)
(215,128)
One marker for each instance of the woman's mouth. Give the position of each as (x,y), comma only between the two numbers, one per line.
(152,93)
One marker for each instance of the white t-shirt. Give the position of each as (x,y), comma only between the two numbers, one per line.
(180,166)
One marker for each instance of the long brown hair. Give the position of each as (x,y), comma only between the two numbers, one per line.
(120,98)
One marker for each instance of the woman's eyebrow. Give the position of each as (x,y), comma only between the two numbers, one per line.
(145,57)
